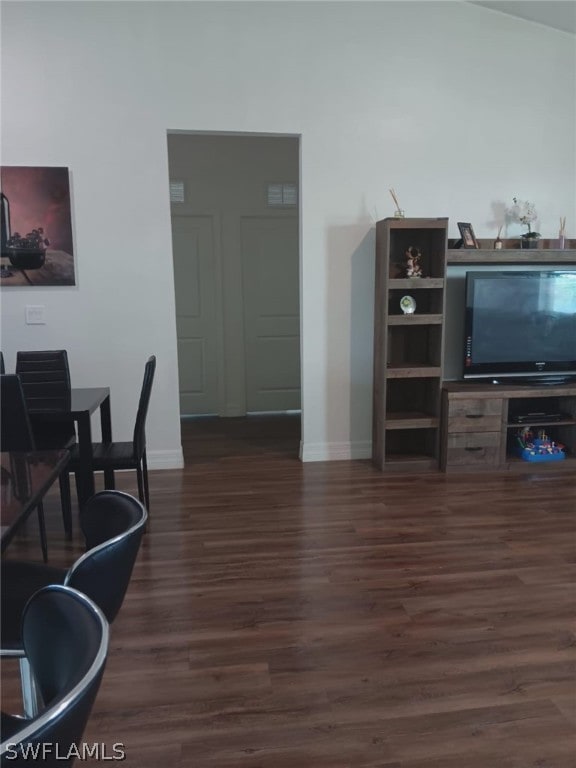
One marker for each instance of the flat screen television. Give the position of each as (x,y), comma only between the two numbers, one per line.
(520,325)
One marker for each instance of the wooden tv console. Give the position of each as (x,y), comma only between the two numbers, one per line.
(478,431)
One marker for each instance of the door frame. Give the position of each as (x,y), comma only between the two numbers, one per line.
(221,358)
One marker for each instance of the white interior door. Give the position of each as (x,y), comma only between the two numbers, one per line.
(271,313)
(196,315)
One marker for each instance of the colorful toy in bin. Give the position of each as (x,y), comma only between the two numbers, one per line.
(541,448)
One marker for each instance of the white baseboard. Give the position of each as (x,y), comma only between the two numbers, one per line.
(362,449)
(165,459)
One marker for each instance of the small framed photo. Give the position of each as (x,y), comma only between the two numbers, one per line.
(467,235)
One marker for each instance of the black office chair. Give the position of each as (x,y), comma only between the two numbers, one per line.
(126,455)
(113,523)
(65,641)
(16,433)
(45,377)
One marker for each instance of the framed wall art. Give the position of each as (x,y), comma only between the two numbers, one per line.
(36,227)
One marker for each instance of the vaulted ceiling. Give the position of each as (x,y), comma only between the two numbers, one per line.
(559,14)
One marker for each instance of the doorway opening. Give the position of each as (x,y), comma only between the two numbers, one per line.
(236,250)
(261,436)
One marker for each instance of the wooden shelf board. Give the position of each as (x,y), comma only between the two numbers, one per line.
(416,283)
(511,256)
(415,223)
(481,390)
(416,319)
(410,420)
(406,371)
(516,464)
(536,424)
(409,462)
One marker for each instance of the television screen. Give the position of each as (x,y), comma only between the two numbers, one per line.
(520,324)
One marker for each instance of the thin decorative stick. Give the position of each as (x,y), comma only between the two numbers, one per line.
(395,199)
(499,231)
(562,231)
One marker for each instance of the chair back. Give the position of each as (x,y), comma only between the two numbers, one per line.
(45,377)
(139,440)
(65,638)
(2,366)
(113,523)
(16,431)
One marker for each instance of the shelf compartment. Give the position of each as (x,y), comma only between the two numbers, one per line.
(411,445)
(431,242)
(429,305)
(412,399)
(414,345)
(557,432)
(541,405)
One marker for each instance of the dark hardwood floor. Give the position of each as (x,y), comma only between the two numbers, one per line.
(325,615)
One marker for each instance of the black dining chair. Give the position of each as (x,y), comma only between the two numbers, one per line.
(16,433)
(113,523)
(65,641)
(45,377)
(126,455)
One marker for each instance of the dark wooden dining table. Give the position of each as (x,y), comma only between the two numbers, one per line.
(24,480)
(84,401)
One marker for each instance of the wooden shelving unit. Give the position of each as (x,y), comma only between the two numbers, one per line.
(418,424)
(408,348)
(479,430)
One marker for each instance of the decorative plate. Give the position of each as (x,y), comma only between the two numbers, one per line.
(408,305)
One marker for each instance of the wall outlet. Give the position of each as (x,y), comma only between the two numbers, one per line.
(35,314)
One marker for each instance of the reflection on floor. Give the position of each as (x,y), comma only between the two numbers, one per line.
(211,437)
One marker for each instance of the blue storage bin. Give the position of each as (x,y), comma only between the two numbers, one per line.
(526,455)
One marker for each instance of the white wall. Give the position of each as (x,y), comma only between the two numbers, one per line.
(455,106)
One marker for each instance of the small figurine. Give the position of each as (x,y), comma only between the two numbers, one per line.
(412,256)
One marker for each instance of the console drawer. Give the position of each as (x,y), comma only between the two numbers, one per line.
(474,449)
(475,415)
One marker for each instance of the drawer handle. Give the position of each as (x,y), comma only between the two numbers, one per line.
(474,415)
(474,448)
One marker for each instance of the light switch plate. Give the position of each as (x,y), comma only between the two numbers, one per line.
(35,314)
